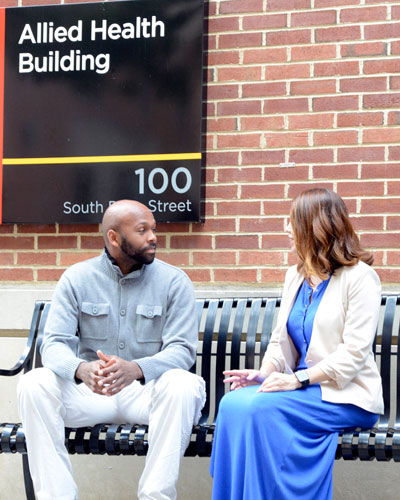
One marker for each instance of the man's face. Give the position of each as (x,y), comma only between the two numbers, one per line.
(138,240)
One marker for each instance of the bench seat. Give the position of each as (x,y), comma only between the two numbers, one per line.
(233,333)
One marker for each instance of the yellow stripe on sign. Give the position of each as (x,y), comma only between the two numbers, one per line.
(101,159)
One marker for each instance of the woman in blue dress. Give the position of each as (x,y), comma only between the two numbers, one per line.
(277,429)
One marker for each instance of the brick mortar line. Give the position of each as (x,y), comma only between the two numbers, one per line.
(311,10)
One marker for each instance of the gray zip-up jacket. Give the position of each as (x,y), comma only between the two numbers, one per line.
(148,316)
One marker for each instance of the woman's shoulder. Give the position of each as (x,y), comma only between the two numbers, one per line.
(291,273)
(360,272)
(293,278)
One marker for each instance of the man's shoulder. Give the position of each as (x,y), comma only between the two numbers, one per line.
(161,267)
(83,267)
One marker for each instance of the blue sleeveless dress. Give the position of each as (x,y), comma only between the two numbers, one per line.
(281,445)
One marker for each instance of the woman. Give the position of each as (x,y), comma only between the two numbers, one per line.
(277,429)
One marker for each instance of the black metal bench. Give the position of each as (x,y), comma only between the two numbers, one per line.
(233,333)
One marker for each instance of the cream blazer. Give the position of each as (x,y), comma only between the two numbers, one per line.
(343,333)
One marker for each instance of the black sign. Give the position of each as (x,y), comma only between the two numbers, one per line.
(102,101)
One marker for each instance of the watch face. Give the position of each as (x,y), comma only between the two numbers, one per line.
(302,377)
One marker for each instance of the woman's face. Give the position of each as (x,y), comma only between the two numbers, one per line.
(289,232)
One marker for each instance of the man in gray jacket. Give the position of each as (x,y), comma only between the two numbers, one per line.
(120,337)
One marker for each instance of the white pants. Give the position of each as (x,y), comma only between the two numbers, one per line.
(170,405)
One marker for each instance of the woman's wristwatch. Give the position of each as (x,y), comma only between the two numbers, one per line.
(303,378)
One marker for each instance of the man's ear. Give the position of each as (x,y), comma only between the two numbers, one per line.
(113,238)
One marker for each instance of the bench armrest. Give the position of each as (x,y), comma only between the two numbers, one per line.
(26,359)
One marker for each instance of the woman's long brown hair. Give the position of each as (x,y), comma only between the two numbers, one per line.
(323,234)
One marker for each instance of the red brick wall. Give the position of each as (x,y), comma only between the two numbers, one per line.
(310,82)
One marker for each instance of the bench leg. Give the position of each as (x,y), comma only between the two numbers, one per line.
(30,494)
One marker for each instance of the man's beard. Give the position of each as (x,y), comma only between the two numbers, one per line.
(137,256)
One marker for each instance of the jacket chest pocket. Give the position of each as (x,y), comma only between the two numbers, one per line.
(148,323)
(95,319)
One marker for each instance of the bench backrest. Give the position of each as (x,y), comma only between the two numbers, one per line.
(234,333)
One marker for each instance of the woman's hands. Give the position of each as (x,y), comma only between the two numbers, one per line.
(280,382)
(243,378)
(273,382)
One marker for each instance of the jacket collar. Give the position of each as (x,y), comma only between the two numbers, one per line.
(113,268)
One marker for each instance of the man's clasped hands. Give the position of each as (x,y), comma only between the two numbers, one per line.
(109,374)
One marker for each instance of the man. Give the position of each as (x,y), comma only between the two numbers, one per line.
(119,339)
